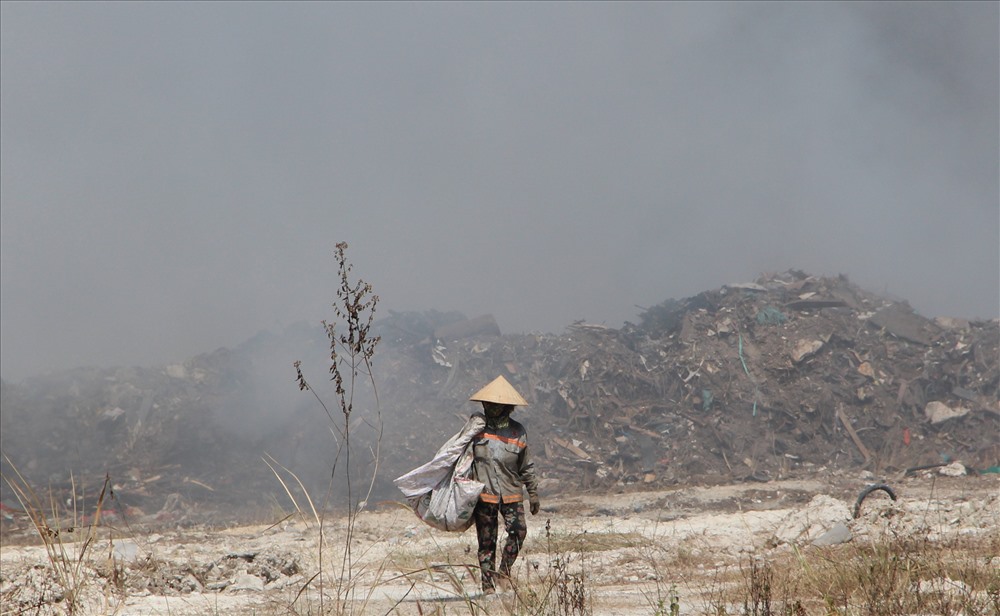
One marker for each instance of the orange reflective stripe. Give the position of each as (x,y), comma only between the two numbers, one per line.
(503,439)
(494,499)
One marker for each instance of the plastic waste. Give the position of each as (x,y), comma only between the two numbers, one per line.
(442,492)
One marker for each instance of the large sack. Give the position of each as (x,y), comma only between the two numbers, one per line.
(442,492)
(450,506)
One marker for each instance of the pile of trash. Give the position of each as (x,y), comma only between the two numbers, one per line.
(790,375)
(787,375)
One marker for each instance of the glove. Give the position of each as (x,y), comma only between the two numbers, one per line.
(535,505)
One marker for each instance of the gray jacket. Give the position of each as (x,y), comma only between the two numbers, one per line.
(502,463)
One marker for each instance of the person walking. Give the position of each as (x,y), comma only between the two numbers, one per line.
(503,464)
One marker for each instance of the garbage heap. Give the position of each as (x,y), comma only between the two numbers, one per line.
(790,375)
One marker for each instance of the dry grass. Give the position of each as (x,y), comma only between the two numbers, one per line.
(587,542)
(410,559)
(888,577)
(68,540)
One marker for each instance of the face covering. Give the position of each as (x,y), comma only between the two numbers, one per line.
(497,415)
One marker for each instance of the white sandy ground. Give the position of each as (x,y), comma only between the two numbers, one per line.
(631,549)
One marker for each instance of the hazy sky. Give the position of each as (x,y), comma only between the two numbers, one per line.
(175,175)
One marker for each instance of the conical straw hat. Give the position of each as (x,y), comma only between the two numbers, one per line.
(501,392)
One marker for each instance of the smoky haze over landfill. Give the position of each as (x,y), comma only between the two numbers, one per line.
(175,176)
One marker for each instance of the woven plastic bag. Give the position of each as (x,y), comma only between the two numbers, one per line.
(449,507)
(442,492)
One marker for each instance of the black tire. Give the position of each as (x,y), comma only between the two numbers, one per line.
(864,494)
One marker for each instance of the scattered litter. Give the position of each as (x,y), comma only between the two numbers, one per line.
(938,412)
(770,316)
(955,469)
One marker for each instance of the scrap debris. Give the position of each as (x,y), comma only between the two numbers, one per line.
(788,375)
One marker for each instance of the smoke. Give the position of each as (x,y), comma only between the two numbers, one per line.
(174,177)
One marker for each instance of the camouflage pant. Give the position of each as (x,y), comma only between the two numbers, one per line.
(486,516)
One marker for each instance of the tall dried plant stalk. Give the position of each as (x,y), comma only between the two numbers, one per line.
(352,347)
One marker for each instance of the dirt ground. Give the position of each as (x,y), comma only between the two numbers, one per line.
(616,553)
